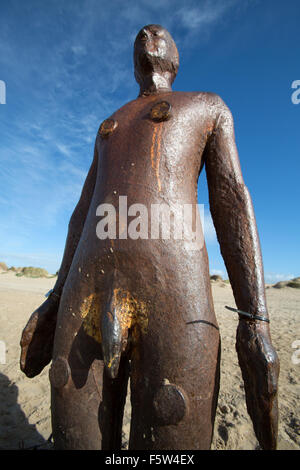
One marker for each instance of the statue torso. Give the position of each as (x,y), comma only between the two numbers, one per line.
(150,162)
(153,161)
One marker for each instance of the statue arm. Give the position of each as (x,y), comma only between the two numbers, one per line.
(233,216)
(38,335)
(76,225)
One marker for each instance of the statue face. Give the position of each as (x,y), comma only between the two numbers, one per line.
(152,41)
(154,51)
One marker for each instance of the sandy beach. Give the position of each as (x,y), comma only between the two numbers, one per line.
(25,403)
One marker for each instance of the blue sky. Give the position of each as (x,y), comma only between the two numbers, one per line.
(67,65)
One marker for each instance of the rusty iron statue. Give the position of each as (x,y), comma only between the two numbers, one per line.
(143,308)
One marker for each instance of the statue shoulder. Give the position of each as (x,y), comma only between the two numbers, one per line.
(221,112)
(214,100)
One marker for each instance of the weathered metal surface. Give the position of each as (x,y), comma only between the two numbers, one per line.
(161,111)
(59,372)
(170,404)
(107,127)
(147,300)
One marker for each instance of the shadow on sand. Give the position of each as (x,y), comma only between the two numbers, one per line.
(15,430)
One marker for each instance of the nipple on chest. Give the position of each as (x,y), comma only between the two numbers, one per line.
(161,111)
(107,127)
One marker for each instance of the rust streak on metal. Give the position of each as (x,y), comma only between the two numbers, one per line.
(155,151)
(158,156)
(130,310)
(152,154)
(90,312)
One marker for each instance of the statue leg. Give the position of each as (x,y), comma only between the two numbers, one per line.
(90,417)
(86,405)
(174,385)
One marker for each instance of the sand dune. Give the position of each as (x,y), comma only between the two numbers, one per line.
(25,403)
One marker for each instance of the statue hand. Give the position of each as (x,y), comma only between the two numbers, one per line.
(37,338)
(260,370)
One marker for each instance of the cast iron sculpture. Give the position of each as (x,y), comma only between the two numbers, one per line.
(144,307)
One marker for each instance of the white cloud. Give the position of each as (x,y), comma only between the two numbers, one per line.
(276,277)
(78,50)
(64,149)
(201,16)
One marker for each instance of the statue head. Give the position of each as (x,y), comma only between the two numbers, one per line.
(155,52)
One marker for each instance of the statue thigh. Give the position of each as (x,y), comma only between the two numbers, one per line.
(174,386)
